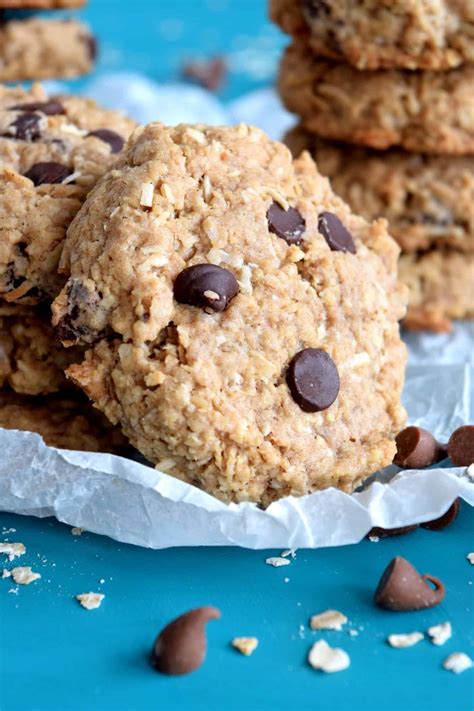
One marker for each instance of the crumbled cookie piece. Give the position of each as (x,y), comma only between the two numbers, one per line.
(328,659)
(77,531)
(470,557)
(245,645)
(328,620)
(12,550)
(440,634)
(458,662)
(90,600)
(277,561)
(400,641)
(24,575)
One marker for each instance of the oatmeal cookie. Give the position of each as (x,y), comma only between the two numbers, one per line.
(32,360)
(441,285)
(41,4)
(242,323)
(63,422)
(34,48)
(427,200)
(425,112)
(52,151)
(383,34)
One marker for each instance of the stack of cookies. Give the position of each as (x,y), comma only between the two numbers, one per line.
(52,152)
(33,48)
(385,93)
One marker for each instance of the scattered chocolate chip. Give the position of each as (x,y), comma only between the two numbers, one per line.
(48,173)
(313,379)
(50,108)
(338,237)
(25,128)
(461,446)
(388,532)
(180,648)
(209,74)
(287,224)
(92,46)
(446,519)
(115,141)
(417,448)
(401,588)
(207,286)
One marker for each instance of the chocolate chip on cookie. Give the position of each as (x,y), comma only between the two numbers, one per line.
(50,108)
(48,172)
(313,380)
(287,224)
(207,286)
(115,141)
(27,127)
(337,236)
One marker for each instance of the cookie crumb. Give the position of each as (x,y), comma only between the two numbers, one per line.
(277,562)
(12,550)
(470,557)
(374,539)
(14,591)
(6,574)
(290,553)
(328,659)
(440,634)
(328,620)
(458,662)
(400,641)
(245,645)
(23,575)
(90,600)
(353,633)
(146,195)
(77,531)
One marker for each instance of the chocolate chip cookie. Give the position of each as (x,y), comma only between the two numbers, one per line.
(441,284)
(40,4)
(52,151)
(426,112)
(34,48)
(377,34)
(32,360)
(242,323)
(63,422)
(428,200)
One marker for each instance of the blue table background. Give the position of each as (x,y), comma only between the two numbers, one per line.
(55,656)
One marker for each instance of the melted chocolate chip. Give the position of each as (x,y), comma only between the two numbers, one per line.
(417,448)
(461,446)
(115,141)
(313,380)
(48,173)
(338,237)
(446,519)
(402,588)
(50,108)
(206,286)
(25,128)
(180,648)
(286,224)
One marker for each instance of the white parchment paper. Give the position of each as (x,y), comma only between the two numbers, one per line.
(137,504)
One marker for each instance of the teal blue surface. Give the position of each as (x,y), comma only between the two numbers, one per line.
(57,656)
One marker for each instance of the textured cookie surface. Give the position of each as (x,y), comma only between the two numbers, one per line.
(52,151)
(32,49)
(32,360)
(427,200)
(427,112)
(441,285)
(375,34)
(41,4)
(201,269)
(67,423)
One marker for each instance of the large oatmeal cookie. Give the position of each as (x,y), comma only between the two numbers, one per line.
(425,112)
(52,151)
(242,322)
(427,200)
(377,34)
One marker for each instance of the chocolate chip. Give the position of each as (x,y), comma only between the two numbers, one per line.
(287,224)
(209,74)
(388,532)
(206,286)
(417,448)
(180,648)
(81,301)
(337,236)
(316,8)
(446,519)
(50,108)
(313,379)
(461,446)
(92,46)
(25,128)
(115,141)
(402,588)
(49,173)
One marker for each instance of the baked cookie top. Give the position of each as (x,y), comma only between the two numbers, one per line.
(242,322)
(424,112)
(52,151)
